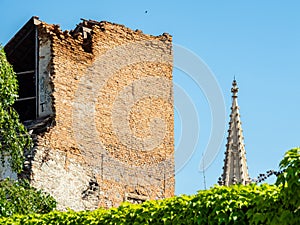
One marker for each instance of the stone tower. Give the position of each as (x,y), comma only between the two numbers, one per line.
(235,168)
(98,102)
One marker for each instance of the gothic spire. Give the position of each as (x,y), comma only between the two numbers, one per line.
(235,168)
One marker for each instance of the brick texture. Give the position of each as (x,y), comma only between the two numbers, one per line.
(112,101)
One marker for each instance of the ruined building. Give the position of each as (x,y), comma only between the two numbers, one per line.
(235,170)
(98,103)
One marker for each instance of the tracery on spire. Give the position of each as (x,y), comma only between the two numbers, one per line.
(235,168)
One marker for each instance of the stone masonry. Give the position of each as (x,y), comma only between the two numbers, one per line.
(235,170)
(105,92)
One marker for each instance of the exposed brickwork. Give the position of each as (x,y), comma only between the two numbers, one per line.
(67,162)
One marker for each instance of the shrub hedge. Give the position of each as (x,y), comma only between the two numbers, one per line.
(237,204)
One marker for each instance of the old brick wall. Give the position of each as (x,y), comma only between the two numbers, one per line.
(113,104)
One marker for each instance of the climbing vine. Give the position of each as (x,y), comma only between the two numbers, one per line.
(18,197)
(13,135)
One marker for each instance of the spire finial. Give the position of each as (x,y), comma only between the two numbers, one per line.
(234,89)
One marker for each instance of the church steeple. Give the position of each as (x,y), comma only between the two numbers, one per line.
(235,168)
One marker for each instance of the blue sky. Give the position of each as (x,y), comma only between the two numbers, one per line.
(257,41)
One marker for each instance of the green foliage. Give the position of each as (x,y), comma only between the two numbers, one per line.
(289,182)
(290,178)
(237,204)
(13,136)
(219,205)
(17,197)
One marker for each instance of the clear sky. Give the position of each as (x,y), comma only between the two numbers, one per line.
(257,41)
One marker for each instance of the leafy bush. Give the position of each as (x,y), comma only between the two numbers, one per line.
(290,178)
(237,204)
(219,205)
(17,197)
(13,135)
